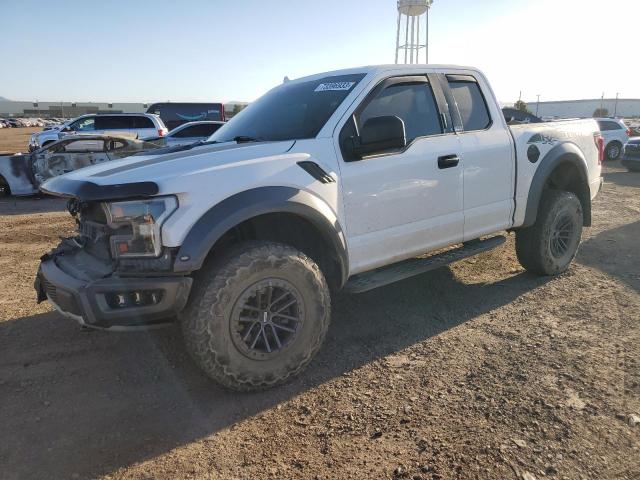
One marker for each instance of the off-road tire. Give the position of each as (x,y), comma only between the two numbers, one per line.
(534,244)
(613,150)
(207,320)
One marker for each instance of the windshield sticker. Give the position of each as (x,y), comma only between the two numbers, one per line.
(334,86)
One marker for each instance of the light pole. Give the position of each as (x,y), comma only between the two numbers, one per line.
(537,104)
(615,105)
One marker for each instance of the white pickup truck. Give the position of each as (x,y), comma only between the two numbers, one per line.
(344,180)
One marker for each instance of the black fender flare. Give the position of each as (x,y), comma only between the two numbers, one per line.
(243,206)
(561,153)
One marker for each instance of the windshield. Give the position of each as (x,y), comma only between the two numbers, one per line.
(291,111)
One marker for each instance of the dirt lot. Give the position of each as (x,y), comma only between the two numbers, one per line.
(13,140)
(477,371)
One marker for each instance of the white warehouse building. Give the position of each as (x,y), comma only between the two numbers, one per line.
(623,107)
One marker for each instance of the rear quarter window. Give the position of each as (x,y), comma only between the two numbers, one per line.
(143,122)
(471,102)
(606,125)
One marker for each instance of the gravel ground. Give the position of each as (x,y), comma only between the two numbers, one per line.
(14,140)
(475,371)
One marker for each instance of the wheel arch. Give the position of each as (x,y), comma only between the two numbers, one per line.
(563,168)
(269,213)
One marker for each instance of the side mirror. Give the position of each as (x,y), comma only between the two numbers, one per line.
(379,134)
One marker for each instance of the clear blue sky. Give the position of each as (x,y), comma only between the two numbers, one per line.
(147,50)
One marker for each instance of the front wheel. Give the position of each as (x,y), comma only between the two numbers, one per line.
(258,316)
(549,245)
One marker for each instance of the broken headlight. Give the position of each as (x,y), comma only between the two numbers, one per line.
(136,226)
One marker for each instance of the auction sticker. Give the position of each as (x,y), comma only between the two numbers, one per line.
(334,86)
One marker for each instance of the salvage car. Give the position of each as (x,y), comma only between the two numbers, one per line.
(631,156)
(22,174)
(346,180)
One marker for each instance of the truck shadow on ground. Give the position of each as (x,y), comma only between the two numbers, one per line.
(87,403)
(613,251)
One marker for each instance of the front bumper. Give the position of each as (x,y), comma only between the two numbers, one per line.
(90,302)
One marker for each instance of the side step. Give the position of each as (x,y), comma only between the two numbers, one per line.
(415,266)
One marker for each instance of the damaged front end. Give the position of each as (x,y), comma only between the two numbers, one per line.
(115,273)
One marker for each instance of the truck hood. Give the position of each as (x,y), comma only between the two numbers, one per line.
(151,174)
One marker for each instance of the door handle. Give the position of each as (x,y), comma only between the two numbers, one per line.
(448,161)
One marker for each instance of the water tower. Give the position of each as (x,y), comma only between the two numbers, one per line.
(411,13)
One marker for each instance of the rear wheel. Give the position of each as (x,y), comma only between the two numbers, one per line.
(549,246)
(258,316)
(613,150)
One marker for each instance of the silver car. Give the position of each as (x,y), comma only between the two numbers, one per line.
(140,125)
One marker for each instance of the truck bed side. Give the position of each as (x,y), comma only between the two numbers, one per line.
(535,142)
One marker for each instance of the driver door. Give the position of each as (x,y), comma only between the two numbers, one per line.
(404,202)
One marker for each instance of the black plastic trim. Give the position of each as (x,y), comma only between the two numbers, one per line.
(88,191)
(243,206)
(89,297)
(316,171)
(563,152)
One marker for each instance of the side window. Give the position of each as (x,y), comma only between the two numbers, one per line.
(115,145)
(83,125)
(108,122)
(85,146)
(142,122)
(186,132)
(471,103)
(414,103)
(204,130)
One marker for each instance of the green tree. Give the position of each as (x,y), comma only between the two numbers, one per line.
(522,106)
(601,112)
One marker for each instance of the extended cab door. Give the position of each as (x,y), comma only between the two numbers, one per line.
(401,202)
(487,154)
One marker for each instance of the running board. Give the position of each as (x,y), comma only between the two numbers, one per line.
(415,266)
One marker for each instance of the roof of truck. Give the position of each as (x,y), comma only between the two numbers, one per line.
(385,68)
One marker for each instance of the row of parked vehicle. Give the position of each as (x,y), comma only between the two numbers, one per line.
(29,122)
(92,139)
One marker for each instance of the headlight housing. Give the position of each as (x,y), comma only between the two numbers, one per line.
(137,225)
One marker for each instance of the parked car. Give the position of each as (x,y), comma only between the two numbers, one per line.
(174,114)
(615,134)
(342,180)
(142,125)
(22,174)
(631,156)
(188,133)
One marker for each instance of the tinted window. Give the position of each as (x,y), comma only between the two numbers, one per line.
(108,122)
(412,102)
(204,130)
(143,122)
(175,114)
(83,125)
(294,110)
(471,105)
(606,125)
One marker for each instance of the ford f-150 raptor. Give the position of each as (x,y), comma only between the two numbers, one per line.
(344,180)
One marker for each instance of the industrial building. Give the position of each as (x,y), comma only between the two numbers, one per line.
(622,107)
(9,108)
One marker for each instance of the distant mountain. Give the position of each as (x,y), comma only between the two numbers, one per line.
(2,99)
